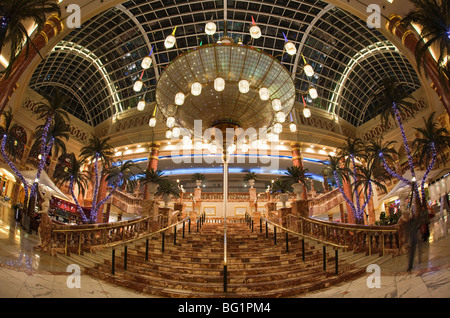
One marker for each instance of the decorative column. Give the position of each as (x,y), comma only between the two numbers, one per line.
(409,40)
(51,28)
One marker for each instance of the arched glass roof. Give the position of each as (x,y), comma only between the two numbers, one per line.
(98,63)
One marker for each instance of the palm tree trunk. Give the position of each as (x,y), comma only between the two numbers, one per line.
(80,209)
(13,167)
(359,212)
(430,166)
(405,143)
(341,190)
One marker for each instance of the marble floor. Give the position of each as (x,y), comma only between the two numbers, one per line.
(27,273)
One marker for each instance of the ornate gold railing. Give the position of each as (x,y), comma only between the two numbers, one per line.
(381,239)
(75,238)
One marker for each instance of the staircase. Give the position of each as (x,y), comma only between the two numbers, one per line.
(256,266)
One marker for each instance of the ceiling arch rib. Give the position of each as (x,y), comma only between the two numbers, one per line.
(96,62)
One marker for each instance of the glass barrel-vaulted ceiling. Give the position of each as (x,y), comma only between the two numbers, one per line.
(98,63)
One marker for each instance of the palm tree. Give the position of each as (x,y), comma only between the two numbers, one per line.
(353,151)
(297,176)
(73,175)
(393,102)
(120,173)
(57,131)
(97,150)
(152,176)
(340,173)
(381,153)
(433,142)
(433,16)
(166,188)
(12,15)
(370,174)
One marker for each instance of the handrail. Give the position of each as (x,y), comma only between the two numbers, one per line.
(149,234)
(305,236)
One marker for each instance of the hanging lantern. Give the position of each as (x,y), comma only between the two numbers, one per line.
(179,99)
(293,127)
(306,112)
(196,88)
(170,122)
(255,32)
(219,84)
(186,140)
(170,41)
(146,62)
(244,86)
(141,105)
(309,71)
(281,117)
(264,93)
(176,132)
(198,145)
(313,93)
(278,128)
(276,105)
(210,28)
(152,122)
(169,134)
(138,86)
(290,48)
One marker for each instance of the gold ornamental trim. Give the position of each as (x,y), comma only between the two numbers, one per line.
(406,34)
(44,35)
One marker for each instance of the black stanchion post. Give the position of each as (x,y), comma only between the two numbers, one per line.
(225,278)
(324,258)
(267,230)
(175,235)
(303,249)
(163,239)
(287,242)
(183,229)
(260,225)
(189,226)
(336,261)
(146,249)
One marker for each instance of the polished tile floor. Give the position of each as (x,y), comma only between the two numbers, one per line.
(27,273)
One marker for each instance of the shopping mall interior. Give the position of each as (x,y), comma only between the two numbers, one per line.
(215,149)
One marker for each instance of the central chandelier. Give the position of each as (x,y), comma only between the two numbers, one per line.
(225,84)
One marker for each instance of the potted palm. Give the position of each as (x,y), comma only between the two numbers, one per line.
(168,190)
(297,177)
(282,186)
(152,178)
(250,177)
(198,178)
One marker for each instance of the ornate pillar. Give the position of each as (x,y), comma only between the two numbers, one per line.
(410,41)
(51,28)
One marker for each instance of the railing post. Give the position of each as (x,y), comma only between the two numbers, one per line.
(260,225)
(146,249)
(65,245)
(113,262)
(183,229)
(125,258)
(370,244)
(189,226)
(252,226)
(324,257)
(267,230)
(163,239)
